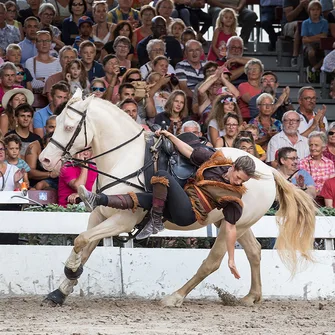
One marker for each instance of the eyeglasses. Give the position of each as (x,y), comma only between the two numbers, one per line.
(131,79)
(310,98)
(2,149)
(123,46)
(232,125)
(48,14)
(235,48)
(254,69)
(228,99)
(43,41)
(331,133)
(294,159)
(21,73)
(11,11)
(77,4)
(100,89)
(291,121)
(266,105)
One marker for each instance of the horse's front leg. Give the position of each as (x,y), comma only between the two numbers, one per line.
(209,265)
(252,249)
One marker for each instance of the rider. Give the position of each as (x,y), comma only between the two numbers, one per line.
(217,184)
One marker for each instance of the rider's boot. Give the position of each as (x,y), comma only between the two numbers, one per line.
(92,200)
(159,192)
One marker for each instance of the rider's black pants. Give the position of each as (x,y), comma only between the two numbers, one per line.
(178,208)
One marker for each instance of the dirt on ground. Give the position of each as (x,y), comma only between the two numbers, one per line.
(104,316)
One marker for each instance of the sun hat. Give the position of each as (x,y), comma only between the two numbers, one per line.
(9,94)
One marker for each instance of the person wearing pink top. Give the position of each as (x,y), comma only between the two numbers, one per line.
(71,177)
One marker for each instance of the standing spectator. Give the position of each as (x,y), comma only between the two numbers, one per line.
(309,119)
(70,30)
(71,176)
(329,152)
(32,10)
(87,52)
(254,70)
(231,125)
(288,167)
(267,125)
(225,28)
(43,65)
(66,55)
(246,18)
(59,94)
(10,101)
(318,166)
(28,45)
(159,31)
(190,71)
(24,115)
(8,34)
(312,30)
(288,137)
(282,101)
(124,12)
(11,16)
(85,27)
(295,11)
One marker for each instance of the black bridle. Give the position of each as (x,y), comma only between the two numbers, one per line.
(66,156)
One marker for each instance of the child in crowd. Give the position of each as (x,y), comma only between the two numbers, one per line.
(76,76)
(177,27)
(13,146)
(85,29)
(226,24)
(22,78)
(312,30)
(160,96)
(254,131)
(98,88)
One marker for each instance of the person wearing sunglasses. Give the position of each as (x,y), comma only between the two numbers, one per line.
(329,152)
(98,88)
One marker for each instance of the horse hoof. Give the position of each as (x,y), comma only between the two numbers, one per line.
(251,300)
(55,298)
(73,275)
(173,300)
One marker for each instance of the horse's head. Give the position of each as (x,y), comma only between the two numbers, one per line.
(72,134)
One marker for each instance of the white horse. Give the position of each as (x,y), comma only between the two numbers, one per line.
(103,126)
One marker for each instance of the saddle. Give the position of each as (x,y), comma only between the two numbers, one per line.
(169,159)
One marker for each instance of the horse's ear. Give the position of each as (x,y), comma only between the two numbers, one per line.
(78,93)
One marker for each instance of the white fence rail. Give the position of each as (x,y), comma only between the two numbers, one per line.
(151,273)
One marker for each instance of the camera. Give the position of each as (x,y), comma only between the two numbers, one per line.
(174,80)
(123,70)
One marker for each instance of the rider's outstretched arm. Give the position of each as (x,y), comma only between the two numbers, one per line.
(230,241)
(182,147)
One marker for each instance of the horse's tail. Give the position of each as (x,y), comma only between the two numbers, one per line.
(296,222)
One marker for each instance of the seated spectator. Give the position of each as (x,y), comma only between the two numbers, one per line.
(98,88)
(282,101)
(175,114)
(254,70)
(124,12)
(8,73)
(329,152)
(288,167)
(223,105)
(72,176)
(155,48)
(10,101)
(59,94)
(46,14)
(31,11)
(312,30)
(190,71)
(10,174)
(43,65)
(28,45)
(62,11)
(21,78)
(13,148)
(231,126)
(288,137)
(318,166)
(8,34)
(87,53)
(129,106)
(225,28)
(246,144)
(66,55)
(331,22)
(236,61)
(24,115)
(122,46)
(70,31)
(166,9)
(328,192)
(85,29)
(255,133)
(295,11)
(11,15)
(41,179)
(159,31)
(309,119)
(76,77)
(126,91)
(122,29)
(177,27)
(267,125)
(147,13)
(328,64)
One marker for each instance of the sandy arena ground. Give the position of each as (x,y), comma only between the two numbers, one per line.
(84,316)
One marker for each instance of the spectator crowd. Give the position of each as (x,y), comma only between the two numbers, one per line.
(149,59)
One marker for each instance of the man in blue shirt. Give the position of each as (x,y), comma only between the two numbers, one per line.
(59,94)
(28,46)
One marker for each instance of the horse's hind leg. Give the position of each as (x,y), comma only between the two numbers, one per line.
(210,264)
(252,249)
